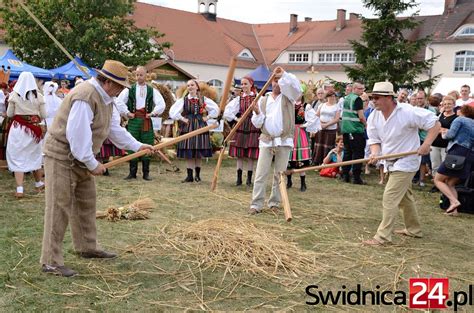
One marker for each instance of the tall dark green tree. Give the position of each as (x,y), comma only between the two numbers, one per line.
(93,30)
(385,53)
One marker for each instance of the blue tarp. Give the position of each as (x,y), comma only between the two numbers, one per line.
(17,66)
(260,75)
(70,71)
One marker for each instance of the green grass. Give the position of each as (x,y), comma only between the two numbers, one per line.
(329,219)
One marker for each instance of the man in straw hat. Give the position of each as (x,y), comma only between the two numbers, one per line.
(84,120)
(275,116)
(393,128)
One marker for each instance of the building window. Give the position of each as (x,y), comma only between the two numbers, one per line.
(299,57)
(217,84)
(336,58)
(464,61)
(466,30)
(246,54)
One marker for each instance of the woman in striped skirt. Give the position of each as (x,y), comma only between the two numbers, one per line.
(244,144)
(193,111)
(306,121)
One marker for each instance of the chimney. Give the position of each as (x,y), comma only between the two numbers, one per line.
(341,19)
(353,16)
(449,6)
(308,19)
(293,23)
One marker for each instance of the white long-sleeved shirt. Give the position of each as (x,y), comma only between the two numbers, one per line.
(399,133)
(211,107)
(313,122)
(273,119)
(140,96)
(79,132)
(233,107)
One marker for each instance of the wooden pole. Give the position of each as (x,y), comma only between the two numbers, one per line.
(284,197)
(228,82)
(234,130)
(320,167)
(60,46)
(161,145)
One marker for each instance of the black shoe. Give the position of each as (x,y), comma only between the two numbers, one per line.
(289,182)
(197,178)
(98,255)
(303,183)
(358,181)
(58,270)
(189,178)
(346,178)
(133,170)
(434,189)
(146,169)
(239,178)
(249,178)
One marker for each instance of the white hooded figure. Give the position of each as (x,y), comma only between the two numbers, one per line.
(52,101)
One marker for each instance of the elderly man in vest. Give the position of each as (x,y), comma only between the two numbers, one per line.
(393,128)
(84,120)
(140,103)
(275,116)
(352,129)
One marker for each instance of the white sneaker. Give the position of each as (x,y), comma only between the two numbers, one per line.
(422,184)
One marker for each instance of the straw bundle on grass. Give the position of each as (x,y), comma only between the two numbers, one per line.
(138,210)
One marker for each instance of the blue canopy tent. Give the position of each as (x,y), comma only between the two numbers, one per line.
(260,76)
(69,70)
(17,66)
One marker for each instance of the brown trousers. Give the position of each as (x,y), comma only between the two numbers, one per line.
(70,199)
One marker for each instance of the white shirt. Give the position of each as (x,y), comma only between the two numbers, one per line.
(399,133)
(312,121)
(273,119)
(233,107)
(3,109)
(461,102)
(327,113)
(79,132)
(211,107)
(140,96)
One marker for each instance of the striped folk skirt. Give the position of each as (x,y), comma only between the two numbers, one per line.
(108,150)
(300,155)
(245,142)
(325,140)
(198,146)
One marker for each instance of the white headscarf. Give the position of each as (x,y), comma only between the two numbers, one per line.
(51,100)
(26,82)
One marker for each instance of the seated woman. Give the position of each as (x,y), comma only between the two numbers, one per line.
(334,156)
(461,136)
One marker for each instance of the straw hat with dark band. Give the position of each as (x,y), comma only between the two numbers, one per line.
(383,89)
(115,71)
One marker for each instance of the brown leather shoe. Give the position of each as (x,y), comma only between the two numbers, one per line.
(58,270)
(98,255)
(19,195)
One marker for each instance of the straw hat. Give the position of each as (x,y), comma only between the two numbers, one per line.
(383,89)
(115,71)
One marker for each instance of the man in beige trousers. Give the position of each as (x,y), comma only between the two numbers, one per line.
(84,120)
(393,128)
(275,116)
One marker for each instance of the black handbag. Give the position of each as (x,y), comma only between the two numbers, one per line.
(454,162)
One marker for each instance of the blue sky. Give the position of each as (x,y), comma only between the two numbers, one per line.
(273,11)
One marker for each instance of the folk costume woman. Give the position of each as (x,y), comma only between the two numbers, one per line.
(244,144)
(306,122)
(26,108)
(51,100)
(3,119)
(193,111)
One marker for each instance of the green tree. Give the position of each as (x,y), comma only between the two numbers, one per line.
(384,53)
(93,30)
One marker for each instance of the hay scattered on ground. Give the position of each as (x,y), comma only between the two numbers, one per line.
(241,245)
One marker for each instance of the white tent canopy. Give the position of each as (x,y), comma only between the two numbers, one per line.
(447,84)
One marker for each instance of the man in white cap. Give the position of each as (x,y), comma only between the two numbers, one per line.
(393,128)
(84,120)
